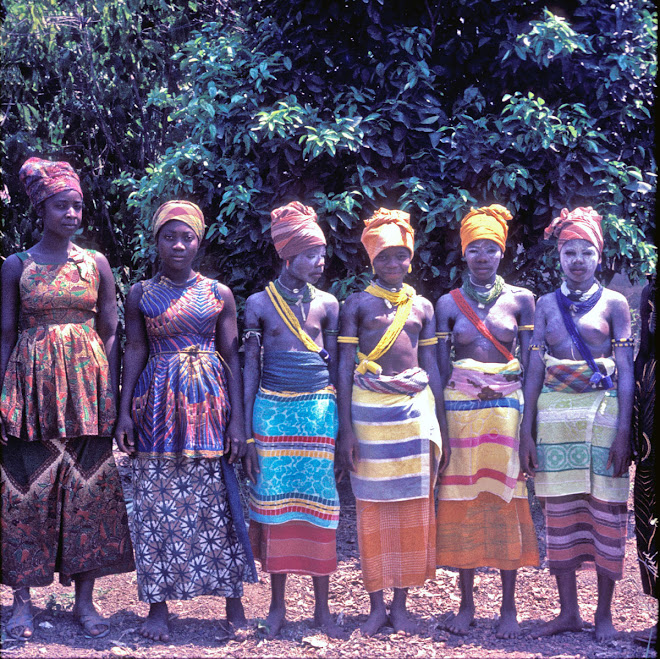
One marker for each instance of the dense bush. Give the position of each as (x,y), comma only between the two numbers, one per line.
(347,106)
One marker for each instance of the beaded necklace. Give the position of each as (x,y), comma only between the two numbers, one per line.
(493,291)
(297,296)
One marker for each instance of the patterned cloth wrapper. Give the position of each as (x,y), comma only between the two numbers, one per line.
(184,211)
(57,383)
(574,376)
(487,222)
(43,179)
(580,223)
(387,228)
(583,531)
(486,532)
(294,228)
(483,406)
(62,511)
(397,542)
(398,439)
(574,436)
(190,536)
(180,403)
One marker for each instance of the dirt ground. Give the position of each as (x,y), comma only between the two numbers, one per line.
(195,630)
(196,633)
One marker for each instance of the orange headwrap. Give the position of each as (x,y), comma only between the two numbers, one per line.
(386,228)
(184,211)
(487,222)
(581,223)
(43,179)
(294,228)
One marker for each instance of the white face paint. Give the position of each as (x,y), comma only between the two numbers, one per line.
(579,260)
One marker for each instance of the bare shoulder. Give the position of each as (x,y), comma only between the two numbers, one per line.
(256,301)
(134,295)
(519,292)
(224,290)
(327,299)
(354,301)
(424,304)
(615,300)
(12,268)
(545,302)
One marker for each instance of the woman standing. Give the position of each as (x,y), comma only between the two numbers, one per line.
(182,383)
(580,390)
(483,517)
(62,503)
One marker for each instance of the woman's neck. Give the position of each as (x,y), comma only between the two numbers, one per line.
(178,276)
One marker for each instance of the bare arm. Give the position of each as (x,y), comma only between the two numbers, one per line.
(226,340)
(136,354)
(527,307)
(107,320)
(427,356)
(532,385)
(10,303)
(348,326)
(251,380)
(620,451)
(330,340)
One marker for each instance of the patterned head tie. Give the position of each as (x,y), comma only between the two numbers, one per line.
(294,228)
(387,228)
(44,178)
(487,222)
(580,223)
(184,211)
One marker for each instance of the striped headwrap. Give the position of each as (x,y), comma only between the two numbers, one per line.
(184,211)
(294,228)
(580,223)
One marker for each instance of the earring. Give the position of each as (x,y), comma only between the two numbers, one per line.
(287,264)
(409,269)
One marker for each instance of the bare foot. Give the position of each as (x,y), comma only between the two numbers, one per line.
(328,626)
(402,622)
(156,627)
(460,623)
(558,625)
(377,618)
(508,626)
(605,630)
(235,612)
(274,622)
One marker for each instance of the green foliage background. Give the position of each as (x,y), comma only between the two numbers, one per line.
(243,105)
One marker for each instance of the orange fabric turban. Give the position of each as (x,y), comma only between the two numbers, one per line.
(43,179)
(184,211)
(487,222)
(581,223)
(294,228)
(386,228)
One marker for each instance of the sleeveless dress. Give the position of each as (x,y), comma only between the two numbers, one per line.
(62,502)
(190,534)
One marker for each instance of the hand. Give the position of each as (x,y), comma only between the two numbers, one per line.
(620,453)
(3,433)
(251,463)
(125,434)
(527,453)
(446,454)
(347,454)
(235,442)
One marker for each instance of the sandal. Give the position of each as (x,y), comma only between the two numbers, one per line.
(18,624)
(90,621)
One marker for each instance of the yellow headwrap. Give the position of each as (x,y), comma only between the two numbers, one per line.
(184,211)
(386,228)
(487,222)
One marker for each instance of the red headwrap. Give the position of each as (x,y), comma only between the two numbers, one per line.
(387,228)
(580,223)
(44,178)
(294,228)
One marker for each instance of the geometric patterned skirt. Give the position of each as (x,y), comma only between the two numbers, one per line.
(486,532)
(397,542)
(294,548)
(185,540)
(63,511)
(584,531)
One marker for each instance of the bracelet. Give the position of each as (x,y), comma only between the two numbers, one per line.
(623,343)
(331,332)
(525,328)
(429,342)
(353,340)
(443,336)
(249,440)
(536,346)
